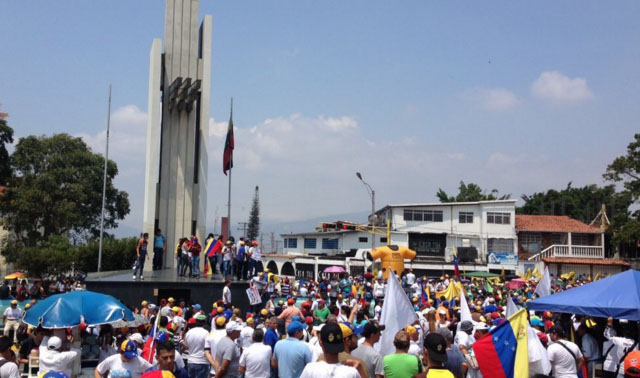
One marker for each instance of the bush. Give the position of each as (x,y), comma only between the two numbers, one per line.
(54,257)
(117,254)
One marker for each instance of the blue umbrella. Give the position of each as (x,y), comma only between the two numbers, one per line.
(71,309)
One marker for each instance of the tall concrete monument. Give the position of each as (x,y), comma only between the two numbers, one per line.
(177,130)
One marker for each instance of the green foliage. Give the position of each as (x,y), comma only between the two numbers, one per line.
(6,136)
(626,169)
(55,256)
(117,254)
(253,228)
(470,193)
(579,203)
(56,189)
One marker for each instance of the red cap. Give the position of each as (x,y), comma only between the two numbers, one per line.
(548,324)
(291,301)
(308,320)
(191,321)
(495,315)
(632,364)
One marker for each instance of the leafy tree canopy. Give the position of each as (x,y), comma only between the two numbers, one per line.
(6,137)
(469,193)
(56,189)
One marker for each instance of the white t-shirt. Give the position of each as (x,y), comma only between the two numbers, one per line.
(120,369)
(322,369)
(226,295)
(9,370)
(212,340)
(256,359)
(563,364)
(57,361)
(195,340)
(13,313)
(463,338)
(414,349)
(246,337)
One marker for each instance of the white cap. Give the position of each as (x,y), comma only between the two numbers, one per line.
(54,343)
(233,326)
(481,327)
(136,337)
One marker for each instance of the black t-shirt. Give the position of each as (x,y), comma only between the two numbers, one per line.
(26,346)
(4,292)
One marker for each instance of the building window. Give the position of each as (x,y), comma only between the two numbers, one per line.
(291,243)
(530,242)
(500,245)
(423,215)
(310,243)
(465,217)
(499,218)
(383,240)
(363,239)
(557,239)
(329,243)
(579,239)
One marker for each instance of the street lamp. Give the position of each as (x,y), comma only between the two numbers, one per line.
(372,194)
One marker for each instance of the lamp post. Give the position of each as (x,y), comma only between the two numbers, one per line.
(372,194)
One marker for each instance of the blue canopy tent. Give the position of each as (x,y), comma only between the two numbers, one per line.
(70,309)
(617,296)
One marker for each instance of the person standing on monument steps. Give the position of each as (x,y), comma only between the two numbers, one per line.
(141,250)
(159,248)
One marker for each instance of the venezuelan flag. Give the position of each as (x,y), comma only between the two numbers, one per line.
(209,250)
(503,351)
(425,293)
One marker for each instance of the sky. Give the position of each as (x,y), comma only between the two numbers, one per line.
(416,95)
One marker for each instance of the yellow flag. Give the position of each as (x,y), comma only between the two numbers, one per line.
(519,325)
(453,290)
(597,277)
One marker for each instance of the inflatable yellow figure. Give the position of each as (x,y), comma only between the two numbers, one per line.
(392,257)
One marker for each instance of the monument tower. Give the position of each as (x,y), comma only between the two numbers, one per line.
(177,128)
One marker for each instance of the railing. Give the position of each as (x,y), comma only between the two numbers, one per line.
(577,251)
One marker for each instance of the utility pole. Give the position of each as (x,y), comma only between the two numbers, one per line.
(243,228)
(273,244)
(104,183)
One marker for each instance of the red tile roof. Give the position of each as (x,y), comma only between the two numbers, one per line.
(553,223)
(570,260)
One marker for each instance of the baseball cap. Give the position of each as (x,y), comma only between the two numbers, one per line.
(14,302)
(632,364)
(436,345)
(53,374)
(137,337)
(536,322)
(264,312)
(175,309)
(233,326)
(144,303)
(445,332)
(346,330)
(466,326)
(331,336)
(197,306)
(158,374)
(220,320)
(201,317)
(170,299)
(294,327)
(129,348)
(54,343)
(250,321)
(411,330)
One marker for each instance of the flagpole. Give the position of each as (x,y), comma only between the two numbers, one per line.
(229,192)
(104,183)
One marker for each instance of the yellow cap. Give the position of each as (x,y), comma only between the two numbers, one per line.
(170,299)
(415,299)
(411,330)
(482,319)
(14,302)
(27,306)
(144,303)
(220,320)
(346,331)
(250,321)
(264,312)
(175,309)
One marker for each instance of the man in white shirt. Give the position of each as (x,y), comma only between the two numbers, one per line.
(411,278)
(226,292)
(332,344)
(464,335)
(565,356)
(254,361)
(125,364)
(56,360)
(194,341)
(214,337)
(8,368)
(11,320)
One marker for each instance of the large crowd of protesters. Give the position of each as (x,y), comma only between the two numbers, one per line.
(330,327)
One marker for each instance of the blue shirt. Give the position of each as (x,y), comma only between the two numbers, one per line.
(158,241)
(270,338)
(292,356)
(241,253)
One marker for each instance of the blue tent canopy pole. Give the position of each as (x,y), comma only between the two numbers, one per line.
(617,296)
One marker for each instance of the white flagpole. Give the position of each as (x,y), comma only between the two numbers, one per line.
(104,183)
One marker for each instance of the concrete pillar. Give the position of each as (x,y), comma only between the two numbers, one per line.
(569,243)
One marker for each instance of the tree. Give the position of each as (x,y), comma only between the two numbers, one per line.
(470,193)
(52,257)
(626,170)
(253,228)
(56,189)
(582,203)
(6,136)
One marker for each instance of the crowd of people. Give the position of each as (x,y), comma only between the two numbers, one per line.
(331,327)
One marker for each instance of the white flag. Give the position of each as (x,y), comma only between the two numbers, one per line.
(538,358)
(511,307)
(544,285)
(465,313)
(397,313)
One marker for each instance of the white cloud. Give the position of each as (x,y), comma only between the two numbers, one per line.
(492,99)
(559,88)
